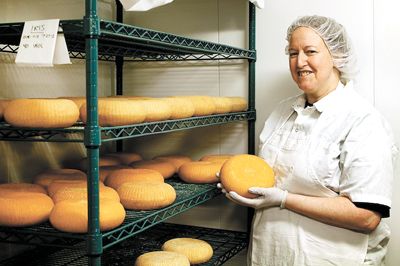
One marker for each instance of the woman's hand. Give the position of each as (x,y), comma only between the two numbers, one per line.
(267,197)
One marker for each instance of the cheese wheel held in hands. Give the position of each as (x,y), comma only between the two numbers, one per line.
(243,171)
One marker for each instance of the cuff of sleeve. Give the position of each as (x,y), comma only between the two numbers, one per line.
(283,202)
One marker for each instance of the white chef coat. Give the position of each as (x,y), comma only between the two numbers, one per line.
(339,146)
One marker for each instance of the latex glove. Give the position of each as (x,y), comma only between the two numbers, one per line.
(267,197)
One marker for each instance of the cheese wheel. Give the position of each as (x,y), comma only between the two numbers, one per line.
(238,104)
(104,160)
(146,195)
(44,179)
(125,157)
(196,250)
(22,187)
(243,171)
(105,171)
(119,177)
(162,258)
(166,169)
(41,113)
(222,105)
(60,184)
(3,105)
(155,109)
(80,193)
(203,105)
(79,101)
(72,215)
(117,112)
(199,172)
(180,107)
(216,157)
(24,208)
(176,160)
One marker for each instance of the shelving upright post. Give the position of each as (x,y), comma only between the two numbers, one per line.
(92,138)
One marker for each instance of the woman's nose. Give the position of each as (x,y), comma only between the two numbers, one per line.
(301,59)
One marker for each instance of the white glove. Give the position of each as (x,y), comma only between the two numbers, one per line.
(267,197)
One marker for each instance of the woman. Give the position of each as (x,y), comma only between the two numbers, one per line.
(332,154)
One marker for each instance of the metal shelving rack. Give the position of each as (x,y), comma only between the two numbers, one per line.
(93,39)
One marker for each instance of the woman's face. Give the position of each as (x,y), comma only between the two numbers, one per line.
(311,64)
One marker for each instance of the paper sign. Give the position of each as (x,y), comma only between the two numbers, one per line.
(142,5)
(39,41)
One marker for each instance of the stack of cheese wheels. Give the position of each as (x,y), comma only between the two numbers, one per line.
(222,105)
(218,158)
(146,195)
(105,171)
(72,215)
(24,208)
(196,250)
(199,172)
(41,113)
(3,105)
(80,193)
(119,177)
(166,169)
(117,112)
(203,105)
(155,109)
(243,171)
(162,258)
(238,104)
(44,179)
(176,160)
(180,107)
(22,187)
(125,157)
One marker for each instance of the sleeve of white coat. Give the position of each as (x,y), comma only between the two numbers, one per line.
(367,159)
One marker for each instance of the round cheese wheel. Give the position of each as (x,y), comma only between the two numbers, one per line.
(155,109)
(243,171)
(80,193)
(79,101)
(222,105)
(166,169)
(3,105)
(125,157)
(41,113)
(238,104)
(119,177)
(105,171)
(196,250)
(44,179)
(176,160)
(22,187)
(62,183)
(117,112)
(24,208)
(72,215)
(162,258)
(146,195)
(216,157)
(200,172)
(180,107)
(104,160)
(203,105)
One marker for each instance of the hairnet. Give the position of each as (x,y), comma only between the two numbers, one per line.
(336,40)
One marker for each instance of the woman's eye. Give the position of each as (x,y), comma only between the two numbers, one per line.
(311,52)
(293,54)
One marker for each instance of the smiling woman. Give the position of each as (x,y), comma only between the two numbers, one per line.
(332,154)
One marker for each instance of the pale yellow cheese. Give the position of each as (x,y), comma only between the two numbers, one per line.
(166,169)
(162,258)
(196,250)
(199,172)
(119,177)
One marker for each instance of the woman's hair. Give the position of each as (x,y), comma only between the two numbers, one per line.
(336,40)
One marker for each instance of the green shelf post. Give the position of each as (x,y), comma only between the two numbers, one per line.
(92,138)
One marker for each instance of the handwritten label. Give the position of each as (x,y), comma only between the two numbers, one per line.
(38,44)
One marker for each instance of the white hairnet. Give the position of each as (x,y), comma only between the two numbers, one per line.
(336,40)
